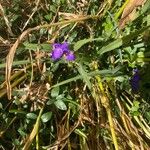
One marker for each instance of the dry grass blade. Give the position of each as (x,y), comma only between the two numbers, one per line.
(5,42)
(34,132)
(34,11)
(65,137)
(3,91)
(129,11)
(68,16)
(105,103)
(9,60)
(7,127)
(132,4)
(6,20)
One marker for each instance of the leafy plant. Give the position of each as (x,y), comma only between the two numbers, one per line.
(68,74)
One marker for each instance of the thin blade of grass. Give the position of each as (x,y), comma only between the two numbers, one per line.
(80,43)
(93,73)
(15,63)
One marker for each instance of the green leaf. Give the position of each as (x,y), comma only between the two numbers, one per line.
(32,46)
(85,76)
(120,78)
(113,45)
(80,43)
(46,117)
(60,105)
(109,72)
(21,132)
(16,142)
(16,111)
(60,97)
(15,63)
(146,7)
(1,106)
(122,41)
(52,8)
(55,92)
(135,106)
(147,115)
(135,113)
(80,133)
(50,102)
(31,116)
(48,17)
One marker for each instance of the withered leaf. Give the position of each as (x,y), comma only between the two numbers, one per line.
(129,12)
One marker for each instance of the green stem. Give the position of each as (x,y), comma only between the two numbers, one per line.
(121,9)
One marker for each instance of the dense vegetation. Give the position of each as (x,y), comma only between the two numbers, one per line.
(74,74)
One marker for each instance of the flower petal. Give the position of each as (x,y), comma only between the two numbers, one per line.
(65,47)
(57,53)
(70,56)
(56,45)
(135,81)
(62,49)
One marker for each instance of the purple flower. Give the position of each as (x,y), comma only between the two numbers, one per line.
(57,53)
(65,47)
(62,49)
(70,56)
(135,81)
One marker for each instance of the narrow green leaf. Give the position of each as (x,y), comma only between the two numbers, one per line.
(147,115)
(17,111)
(15,63)
(21,132)
(85,76)
(32,46)
(93,73)
(113,45)
(31,116)
(79,132)
(80,43)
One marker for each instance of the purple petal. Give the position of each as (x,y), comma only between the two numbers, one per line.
(70,56)
(62,49)
(57,53)
(135,81)
(65,47)
(56,45)
(135,70)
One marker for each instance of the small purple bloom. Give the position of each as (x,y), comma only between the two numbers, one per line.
(70,56)
(62,49)
(56,45)
(135,81)
(57,53)
(65,47)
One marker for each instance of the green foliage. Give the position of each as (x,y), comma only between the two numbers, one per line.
(46,117)
(135,108)
(81,104)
